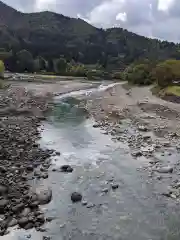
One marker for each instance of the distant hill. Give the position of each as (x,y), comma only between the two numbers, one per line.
(51,35)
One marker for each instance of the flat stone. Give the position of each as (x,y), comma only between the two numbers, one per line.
(167,169)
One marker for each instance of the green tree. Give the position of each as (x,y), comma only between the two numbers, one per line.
(165,73)
(25,61)
(138,74)
(60,66)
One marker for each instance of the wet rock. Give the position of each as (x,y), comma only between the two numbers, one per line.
(57,153)
(167,194)
(96,125)
(44,195)
(105,190)
(137,154)
(115,186)
(46,238)
(84,203)
(23,222)
(40,218)
(45,175)
(90,205)
(66,168)
(167,169)
(76,197)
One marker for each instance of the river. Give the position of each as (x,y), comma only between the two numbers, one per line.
(133,211)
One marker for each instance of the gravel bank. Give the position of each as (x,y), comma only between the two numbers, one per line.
(20,116)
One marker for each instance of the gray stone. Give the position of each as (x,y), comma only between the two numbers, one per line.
(76,197)
(12,223)
(167,169)
(25,212)
(90,205)
(23,221)
(44,195)
(66,168)
(18,208)
(3,204)
(142,128)
(3,190)
(137,154)
(115,186)
(105,190)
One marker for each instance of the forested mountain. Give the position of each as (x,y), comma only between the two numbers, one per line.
(51,35)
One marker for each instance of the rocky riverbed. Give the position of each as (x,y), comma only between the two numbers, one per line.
(109,179)
(20,116)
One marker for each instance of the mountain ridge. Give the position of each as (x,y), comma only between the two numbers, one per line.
(52,35)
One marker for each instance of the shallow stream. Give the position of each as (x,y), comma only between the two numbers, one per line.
(134,211)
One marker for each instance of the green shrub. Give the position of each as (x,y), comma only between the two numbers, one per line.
(138,74)
(167,72)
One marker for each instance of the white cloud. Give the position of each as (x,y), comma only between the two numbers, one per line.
(164,5)
(122,17)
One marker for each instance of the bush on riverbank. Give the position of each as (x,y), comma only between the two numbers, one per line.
(138,74)
(167,73)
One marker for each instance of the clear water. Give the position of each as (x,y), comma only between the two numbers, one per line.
(134,211)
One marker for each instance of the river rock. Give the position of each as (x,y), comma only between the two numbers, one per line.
(66,168)
(137,154)
(44,195)
(142,128)
(12,223)
(105,190)
(3,204)
(23,221)
(18,208)
(25,212)
(76,197)
(115,186)
(167,169)
(3,190)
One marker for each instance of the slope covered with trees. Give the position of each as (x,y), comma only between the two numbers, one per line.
(35,41)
